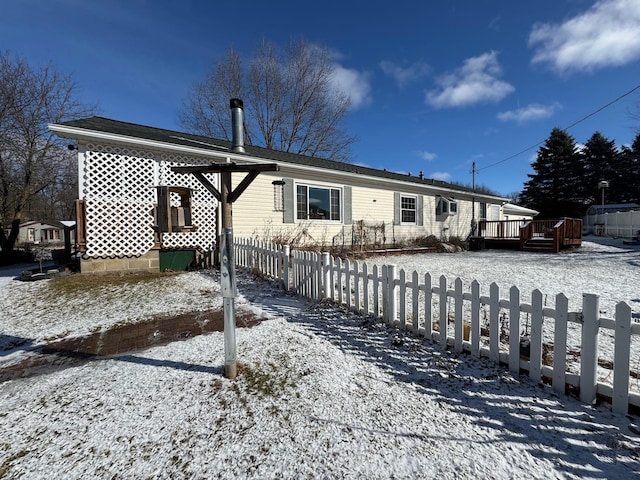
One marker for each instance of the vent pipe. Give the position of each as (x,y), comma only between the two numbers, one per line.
(237,126)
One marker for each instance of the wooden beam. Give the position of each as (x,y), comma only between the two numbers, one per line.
(207,184)
(246,181)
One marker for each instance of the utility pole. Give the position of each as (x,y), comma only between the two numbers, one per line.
(473,199)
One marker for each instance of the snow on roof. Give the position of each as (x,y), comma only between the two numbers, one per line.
(517,209)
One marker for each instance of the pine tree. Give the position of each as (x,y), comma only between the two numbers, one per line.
(555,189)
(602,163)
(628,175)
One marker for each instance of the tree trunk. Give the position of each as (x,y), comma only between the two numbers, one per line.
(7,244)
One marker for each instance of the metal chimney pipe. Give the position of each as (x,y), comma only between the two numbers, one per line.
(237,126)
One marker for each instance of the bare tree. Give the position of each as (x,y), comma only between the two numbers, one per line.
(292,101)
(32,159)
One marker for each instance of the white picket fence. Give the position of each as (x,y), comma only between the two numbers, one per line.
(483,325)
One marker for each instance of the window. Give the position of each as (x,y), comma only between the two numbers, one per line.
(483,211)
(446,206)
(408,209)
(173,213)
(317,203)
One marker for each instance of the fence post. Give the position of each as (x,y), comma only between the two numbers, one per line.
(560,343)
(514,330)
(589,353)
(621,359)
(286,251)
(392,299)
(326,277)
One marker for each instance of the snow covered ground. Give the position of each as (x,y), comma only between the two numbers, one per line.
(321,393)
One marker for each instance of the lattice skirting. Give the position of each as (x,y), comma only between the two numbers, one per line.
(130,231)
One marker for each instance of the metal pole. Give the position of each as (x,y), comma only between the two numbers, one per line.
(228,279)
(473,199)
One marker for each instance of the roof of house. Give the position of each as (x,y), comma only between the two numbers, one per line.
(612,208)
(171,137)
(518,209)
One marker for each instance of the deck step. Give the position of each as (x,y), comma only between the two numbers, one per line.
(539,245)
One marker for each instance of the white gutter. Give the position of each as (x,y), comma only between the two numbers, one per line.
(93,135)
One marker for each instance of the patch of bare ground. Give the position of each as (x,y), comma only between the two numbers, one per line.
(121,339)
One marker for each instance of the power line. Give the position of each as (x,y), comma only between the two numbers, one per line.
(566,128)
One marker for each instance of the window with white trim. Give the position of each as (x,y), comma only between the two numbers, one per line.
(408,209)
(446,206)
(317,203)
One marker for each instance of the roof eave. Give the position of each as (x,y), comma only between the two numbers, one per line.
(90,135)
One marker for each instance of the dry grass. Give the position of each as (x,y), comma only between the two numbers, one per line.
(77,283)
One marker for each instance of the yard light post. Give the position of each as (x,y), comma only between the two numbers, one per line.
(602,185)
(226,196)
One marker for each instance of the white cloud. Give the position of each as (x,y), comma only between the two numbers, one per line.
(428,156)
(476,81)
(356,85)
(531,112)
(404,75)
(608,34)
(444,176)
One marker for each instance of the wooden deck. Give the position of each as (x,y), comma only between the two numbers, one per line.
(550,236)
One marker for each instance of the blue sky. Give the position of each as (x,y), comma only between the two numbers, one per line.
(435,86)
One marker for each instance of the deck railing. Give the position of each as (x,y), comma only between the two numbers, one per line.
(561,233)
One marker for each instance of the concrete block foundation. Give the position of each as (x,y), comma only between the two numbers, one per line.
(149,262)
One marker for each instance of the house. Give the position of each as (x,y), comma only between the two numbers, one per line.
(136,211)
(45,234)
(511,211)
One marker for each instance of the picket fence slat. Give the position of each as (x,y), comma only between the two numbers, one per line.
(535,343)
(621,359)
(444,314)
(588,354)
(494,323)
(426,307)
(475,318)
(514,330)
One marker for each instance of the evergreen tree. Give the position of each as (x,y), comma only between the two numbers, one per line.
(555,189)
(628,177)
(602,163)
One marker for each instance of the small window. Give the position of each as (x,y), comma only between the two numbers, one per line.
(483,211)
(317,203)
(446,206)
(408,209)
(173,213)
